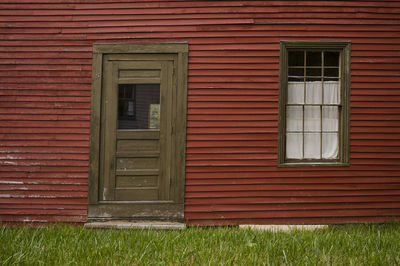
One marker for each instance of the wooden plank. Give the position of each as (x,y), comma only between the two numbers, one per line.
(298,214)
(136,194)
(139,210)
(294,201)
(42,212)
(137,163)
(137,145)
(141,48)
(204,9)
(286,207)
(260,179)
(290,187)
(137,172)
(42,156)
(141,154)
(136,181)
(138,134)
(166,104)
(239,194)
(139,73)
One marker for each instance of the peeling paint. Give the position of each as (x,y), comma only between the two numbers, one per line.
(41,196)
(27,220)
(8,163)
(104,193)
(10,157)
(104,214)
(12,182)
(26,196)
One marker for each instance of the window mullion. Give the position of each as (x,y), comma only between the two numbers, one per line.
(304,99)
(322,103)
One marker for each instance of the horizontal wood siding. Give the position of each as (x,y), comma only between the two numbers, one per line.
(231,166)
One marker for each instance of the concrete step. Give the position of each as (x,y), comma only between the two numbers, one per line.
(116,224)
(277,228)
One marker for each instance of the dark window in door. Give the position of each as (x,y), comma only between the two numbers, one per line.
(138,106)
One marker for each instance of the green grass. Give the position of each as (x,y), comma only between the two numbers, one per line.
(68,245)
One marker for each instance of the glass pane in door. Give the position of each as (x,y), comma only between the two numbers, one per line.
(138,106)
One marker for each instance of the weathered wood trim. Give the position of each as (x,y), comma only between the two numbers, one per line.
(175,55)
(95,128)
(142,57)
(137,211)
(180,130)
(344,127)
(346,108)
(138,134)
(282,97)
(118,48)
(138,172)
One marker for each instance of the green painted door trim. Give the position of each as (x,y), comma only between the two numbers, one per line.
(344,47)
(173,208)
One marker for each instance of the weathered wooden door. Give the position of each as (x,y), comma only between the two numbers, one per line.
(139,172)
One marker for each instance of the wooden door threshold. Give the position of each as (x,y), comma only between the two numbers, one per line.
(119,224)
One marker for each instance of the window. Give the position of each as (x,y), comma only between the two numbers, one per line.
(314,103)
(138,106)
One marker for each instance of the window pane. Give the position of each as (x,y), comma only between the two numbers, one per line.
(121,90)
(330,118)
(312,118)
(296,72)
(296,58)
(330,146)
(137,108)
(294,118)
(294,145)
(314,58)
(331,72)
(314,92)
(296,92)
(312,145)
(154,116)
(126,101)
(313,72)
(331,58)
(331,92)
(297,79)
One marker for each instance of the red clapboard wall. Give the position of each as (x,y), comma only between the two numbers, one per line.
(231,166)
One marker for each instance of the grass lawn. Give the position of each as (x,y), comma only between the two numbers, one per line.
(335,245)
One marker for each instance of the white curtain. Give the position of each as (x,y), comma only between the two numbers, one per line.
(330,120)
(312,145)
(294,145)
(330,147)
(314,92)
(295,93)
(294,118)
(313,130)
(312,118)
(331,92)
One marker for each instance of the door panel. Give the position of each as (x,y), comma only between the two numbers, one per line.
(138,129)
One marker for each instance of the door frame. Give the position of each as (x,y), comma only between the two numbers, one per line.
(168,210)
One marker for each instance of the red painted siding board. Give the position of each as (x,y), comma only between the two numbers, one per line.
(45,84)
